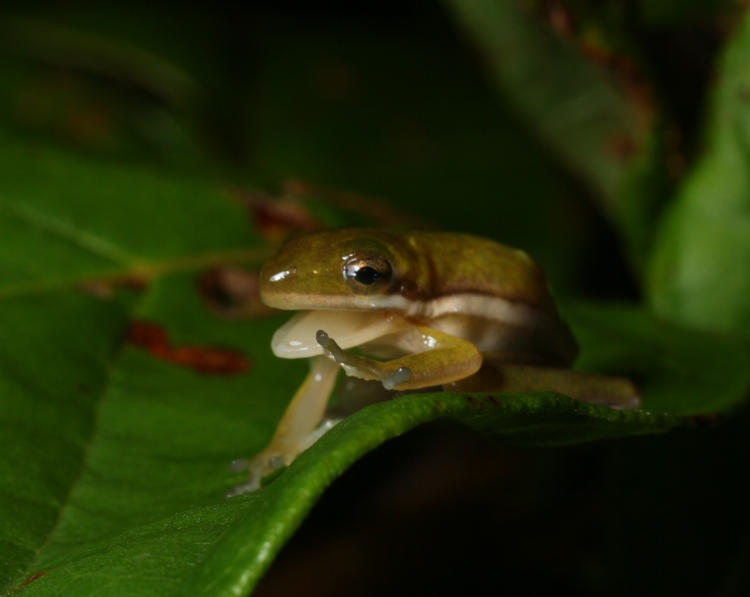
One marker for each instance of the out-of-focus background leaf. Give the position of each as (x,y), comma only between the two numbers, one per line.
(586,97)
(151,158)
(698,274)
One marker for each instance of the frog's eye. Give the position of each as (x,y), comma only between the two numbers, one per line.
(367,272)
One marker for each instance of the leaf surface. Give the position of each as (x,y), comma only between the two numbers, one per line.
(584,98)
(699,272)
(116,458)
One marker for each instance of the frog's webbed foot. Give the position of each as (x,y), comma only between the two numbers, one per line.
(297,429)
(361,367)
(272,459)
(258,467)
(326,425)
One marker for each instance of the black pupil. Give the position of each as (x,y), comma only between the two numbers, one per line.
(366,275)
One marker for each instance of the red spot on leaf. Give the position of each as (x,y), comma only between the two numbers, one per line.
(557,15)
(622,147)
(104,289)
(277,218)
(31,579)
(204,359)
(215,361)
(148,335)
(625,72)
(379,212)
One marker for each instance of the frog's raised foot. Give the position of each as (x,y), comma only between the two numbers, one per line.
(242,488)
(362,368)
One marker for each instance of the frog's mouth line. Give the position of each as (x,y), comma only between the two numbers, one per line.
(297,337)
(477,305)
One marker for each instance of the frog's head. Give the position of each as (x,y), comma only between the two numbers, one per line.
(344,268)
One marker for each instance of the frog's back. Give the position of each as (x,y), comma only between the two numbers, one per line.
(485,291)
(443,264)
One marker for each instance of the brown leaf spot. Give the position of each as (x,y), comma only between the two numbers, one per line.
(624,70)
(622,147)
(233,293)
(32,578)
(148,336)
(213,361)
(91,124)
(276,219)
(380,212)
(204,359)
(557,15)
(104,289)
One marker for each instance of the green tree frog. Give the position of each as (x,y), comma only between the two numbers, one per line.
(431,307)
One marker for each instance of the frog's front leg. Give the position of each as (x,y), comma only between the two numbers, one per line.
(436,358)
(296,430)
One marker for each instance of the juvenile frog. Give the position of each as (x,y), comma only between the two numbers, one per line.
(431,307)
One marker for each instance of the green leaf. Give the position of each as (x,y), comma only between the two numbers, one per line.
(116,457)
(699,272)
(66,221)
(584,100)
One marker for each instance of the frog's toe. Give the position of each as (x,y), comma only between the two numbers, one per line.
(331,348)
(258,467)
(322,338)
(399,376)
(248,486)
(239,464)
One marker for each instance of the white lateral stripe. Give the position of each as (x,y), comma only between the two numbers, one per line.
(478,305)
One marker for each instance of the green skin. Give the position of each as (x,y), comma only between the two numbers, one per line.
(308,274)
(320,272)
(426,265)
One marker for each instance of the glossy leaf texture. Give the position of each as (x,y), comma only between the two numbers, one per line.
(124,396)
(586,98)
(699,272)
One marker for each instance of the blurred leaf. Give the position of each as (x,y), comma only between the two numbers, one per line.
(680,370)
(59,233)
(78,50)
(416,125)
(674,12)
(585,101)
(699,273)
(105,79)
(116,453)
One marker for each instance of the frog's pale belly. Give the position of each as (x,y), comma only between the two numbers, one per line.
(497,324)
(538,343)
(492,324)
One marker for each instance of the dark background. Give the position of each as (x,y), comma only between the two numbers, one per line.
(392,100)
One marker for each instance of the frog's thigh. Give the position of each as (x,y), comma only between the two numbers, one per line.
(447,358)
(305,410)
(615,392)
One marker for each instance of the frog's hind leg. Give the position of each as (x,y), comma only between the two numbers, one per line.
(433,358)
(296,430)
(614,392)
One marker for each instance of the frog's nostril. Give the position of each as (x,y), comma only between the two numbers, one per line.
(283,274)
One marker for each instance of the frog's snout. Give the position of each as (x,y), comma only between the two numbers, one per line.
(275,282)
(284,274)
